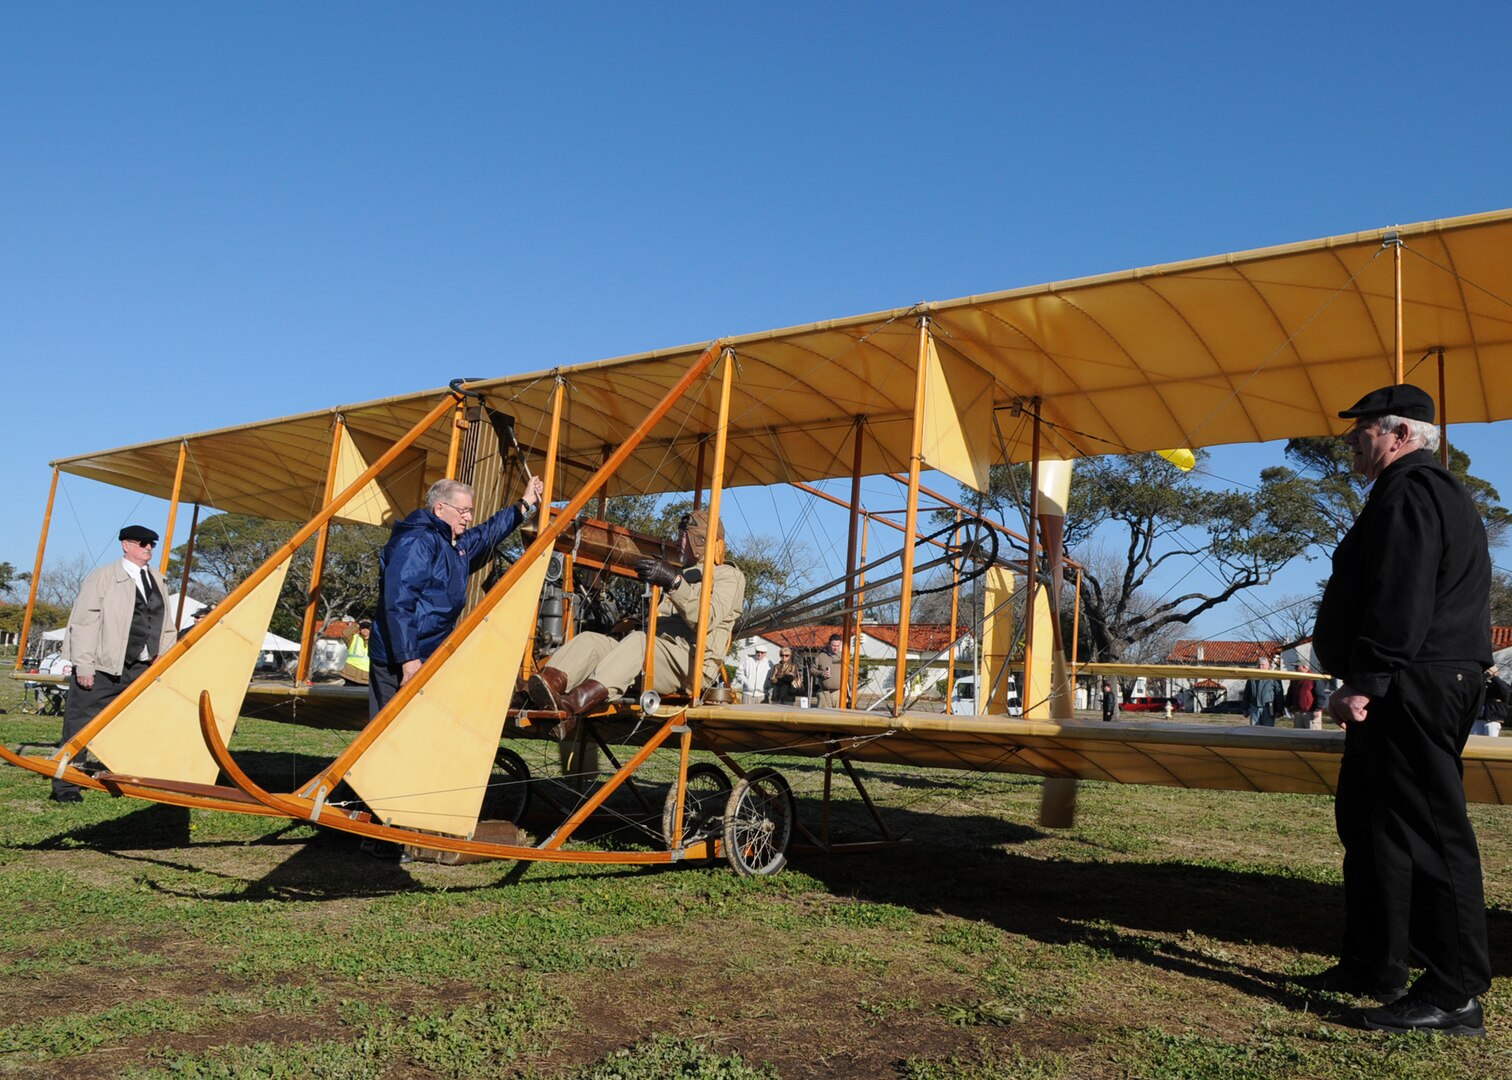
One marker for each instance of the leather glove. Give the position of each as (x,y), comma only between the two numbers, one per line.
(661,574)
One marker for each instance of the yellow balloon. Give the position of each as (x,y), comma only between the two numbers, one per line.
(1182,459)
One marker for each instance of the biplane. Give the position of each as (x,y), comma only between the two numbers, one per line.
(1247,347)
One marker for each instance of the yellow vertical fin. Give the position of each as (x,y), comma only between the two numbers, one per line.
(1039,680)
(158,734)
(380,502)
(430,767)
(957,417)
(997,641)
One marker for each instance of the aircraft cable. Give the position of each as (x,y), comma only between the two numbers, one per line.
(1457,276)
(96,554)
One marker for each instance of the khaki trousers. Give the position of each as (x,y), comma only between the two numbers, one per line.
(617,663)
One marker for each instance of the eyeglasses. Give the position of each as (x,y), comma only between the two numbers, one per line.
(145,543)
(465,511)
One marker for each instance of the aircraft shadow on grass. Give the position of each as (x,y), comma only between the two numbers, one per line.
(960,864)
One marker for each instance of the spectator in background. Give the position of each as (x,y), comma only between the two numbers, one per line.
(1494,710)
(784,680)
(1262,697)
(1302,701)
(355,672)
(753,673)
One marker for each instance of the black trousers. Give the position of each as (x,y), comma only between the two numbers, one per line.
(383,683)
(84,705)
(1412,872)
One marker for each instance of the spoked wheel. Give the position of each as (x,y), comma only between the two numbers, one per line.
(508,797)
(971,548)
(708,791)
(974,549)
(758,823)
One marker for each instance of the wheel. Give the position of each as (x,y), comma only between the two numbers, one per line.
(758,823)
(971,549)
(707,792)
(508,795)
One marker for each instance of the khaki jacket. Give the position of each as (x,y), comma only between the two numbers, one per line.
(679,609)
(100,621)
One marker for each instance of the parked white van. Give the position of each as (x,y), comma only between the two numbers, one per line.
(963,700)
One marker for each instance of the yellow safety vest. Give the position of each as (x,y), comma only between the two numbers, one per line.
(357,653)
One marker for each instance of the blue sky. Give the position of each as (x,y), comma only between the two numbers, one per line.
(213,214)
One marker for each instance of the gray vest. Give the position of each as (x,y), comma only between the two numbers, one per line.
(146,622)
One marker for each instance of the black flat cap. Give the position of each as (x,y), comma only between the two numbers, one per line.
(1402,400)
(140,533)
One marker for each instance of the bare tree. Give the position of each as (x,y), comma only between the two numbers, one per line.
(61,580)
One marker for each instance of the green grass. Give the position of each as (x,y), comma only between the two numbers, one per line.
(1158,938)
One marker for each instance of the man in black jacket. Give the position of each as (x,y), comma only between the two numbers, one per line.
(1405,623)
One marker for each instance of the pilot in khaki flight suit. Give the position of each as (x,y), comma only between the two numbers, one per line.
(594,668)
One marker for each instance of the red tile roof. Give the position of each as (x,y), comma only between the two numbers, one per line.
(922,637)
(926,637)
(1501,637)
(1223,652)
(802,637)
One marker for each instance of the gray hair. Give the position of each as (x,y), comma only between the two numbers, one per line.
(444,491)
(1425,433)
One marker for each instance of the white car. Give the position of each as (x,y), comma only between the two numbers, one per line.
(963,698)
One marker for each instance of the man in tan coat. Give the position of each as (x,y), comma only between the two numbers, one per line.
(118,626)
(594,668)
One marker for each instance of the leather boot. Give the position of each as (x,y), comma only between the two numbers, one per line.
(584,697)
(546,685)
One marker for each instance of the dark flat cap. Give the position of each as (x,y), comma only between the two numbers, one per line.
(1402,400)
(140,533)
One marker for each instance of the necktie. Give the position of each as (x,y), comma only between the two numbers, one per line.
(148,588)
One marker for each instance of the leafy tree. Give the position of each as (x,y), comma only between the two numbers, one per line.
(1160,521)
(1338,492)
(9,578)
(44,617)
(1501,598)
(229,547)
(774,570)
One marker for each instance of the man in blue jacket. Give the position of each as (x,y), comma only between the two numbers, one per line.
(422,579)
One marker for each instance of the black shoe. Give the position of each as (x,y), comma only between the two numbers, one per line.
(1415,1014)
(1344,980)
(74,795)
